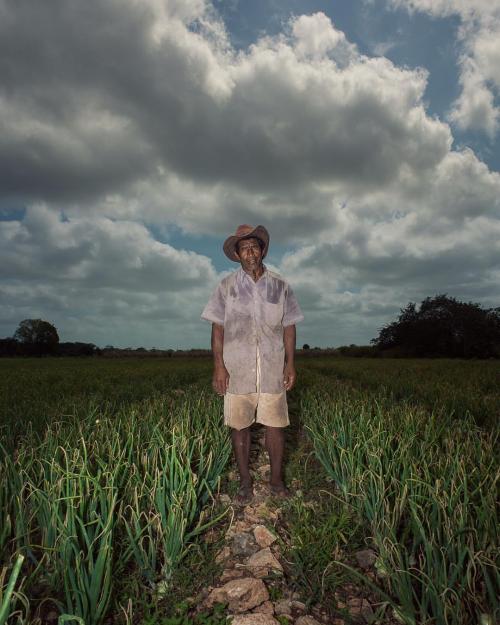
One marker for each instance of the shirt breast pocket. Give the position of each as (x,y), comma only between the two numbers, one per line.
(273,313)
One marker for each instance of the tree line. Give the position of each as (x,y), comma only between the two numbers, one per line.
(36,337)
(440,327)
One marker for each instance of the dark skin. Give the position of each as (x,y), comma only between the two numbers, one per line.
(249,253)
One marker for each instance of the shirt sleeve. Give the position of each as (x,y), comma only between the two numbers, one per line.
(292,314)
(214,311)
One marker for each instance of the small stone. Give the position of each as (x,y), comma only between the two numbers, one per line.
(263,536)
(265,468)
(298,605)
(241,595)
(239,527)
(283,607)
(225,499)
(306,620)
(223,555)
(265,608)
(365,558)
(359,607)
(254,619)
(243,544)
(229,574)
(264,559)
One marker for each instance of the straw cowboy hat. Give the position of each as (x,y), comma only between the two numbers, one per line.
(244,232)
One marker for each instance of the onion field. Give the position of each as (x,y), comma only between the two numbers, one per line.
(109,471)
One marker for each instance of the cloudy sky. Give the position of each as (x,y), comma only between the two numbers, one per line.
(135,135)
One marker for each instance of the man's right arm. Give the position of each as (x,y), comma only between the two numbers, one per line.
(220,379)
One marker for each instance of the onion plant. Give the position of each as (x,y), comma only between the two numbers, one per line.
(425,486)
(138,476)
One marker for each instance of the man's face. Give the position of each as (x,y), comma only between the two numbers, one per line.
(249,253)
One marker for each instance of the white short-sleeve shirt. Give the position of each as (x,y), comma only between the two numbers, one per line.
(253,315)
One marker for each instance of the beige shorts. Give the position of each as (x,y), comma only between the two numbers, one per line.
(240,411)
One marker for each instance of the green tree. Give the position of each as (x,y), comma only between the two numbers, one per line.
(443,326)
(39,337)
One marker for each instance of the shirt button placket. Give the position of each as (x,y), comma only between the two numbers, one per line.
(256,332)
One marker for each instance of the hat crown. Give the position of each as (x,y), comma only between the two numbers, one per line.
(244,229)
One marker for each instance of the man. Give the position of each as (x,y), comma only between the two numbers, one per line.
(253,313)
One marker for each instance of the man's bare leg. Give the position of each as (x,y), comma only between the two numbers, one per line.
(275,445)
(241,447)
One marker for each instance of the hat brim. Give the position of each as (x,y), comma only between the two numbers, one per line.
(258,232)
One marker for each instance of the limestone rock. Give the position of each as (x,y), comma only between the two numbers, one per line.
(264,559)
(265,608)
(242,525)
(229,574)
(241,595)
(263,536)
(254,619)
(366,558)
(223,555)
(359,607)
(243,544)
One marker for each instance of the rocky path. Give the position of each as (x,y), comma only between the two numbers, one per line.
(253,583)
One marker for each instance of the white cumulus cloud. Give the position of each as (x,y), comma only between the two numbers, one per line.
(145,117)
(476,107)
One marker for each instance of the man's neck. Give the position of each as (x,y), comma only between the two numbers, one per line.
(256,273)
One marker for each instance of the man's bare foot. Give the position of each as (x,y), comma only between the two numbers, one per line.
(279,490)
(245,494)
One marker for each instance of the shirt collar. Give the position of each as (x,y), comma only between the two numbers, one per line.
(244,276)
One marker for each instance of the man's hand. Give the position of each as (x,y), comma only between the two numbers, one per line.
(220,379)
(289,376)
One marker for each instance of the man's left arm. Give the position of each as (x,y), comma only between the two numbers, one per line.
(289,373)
